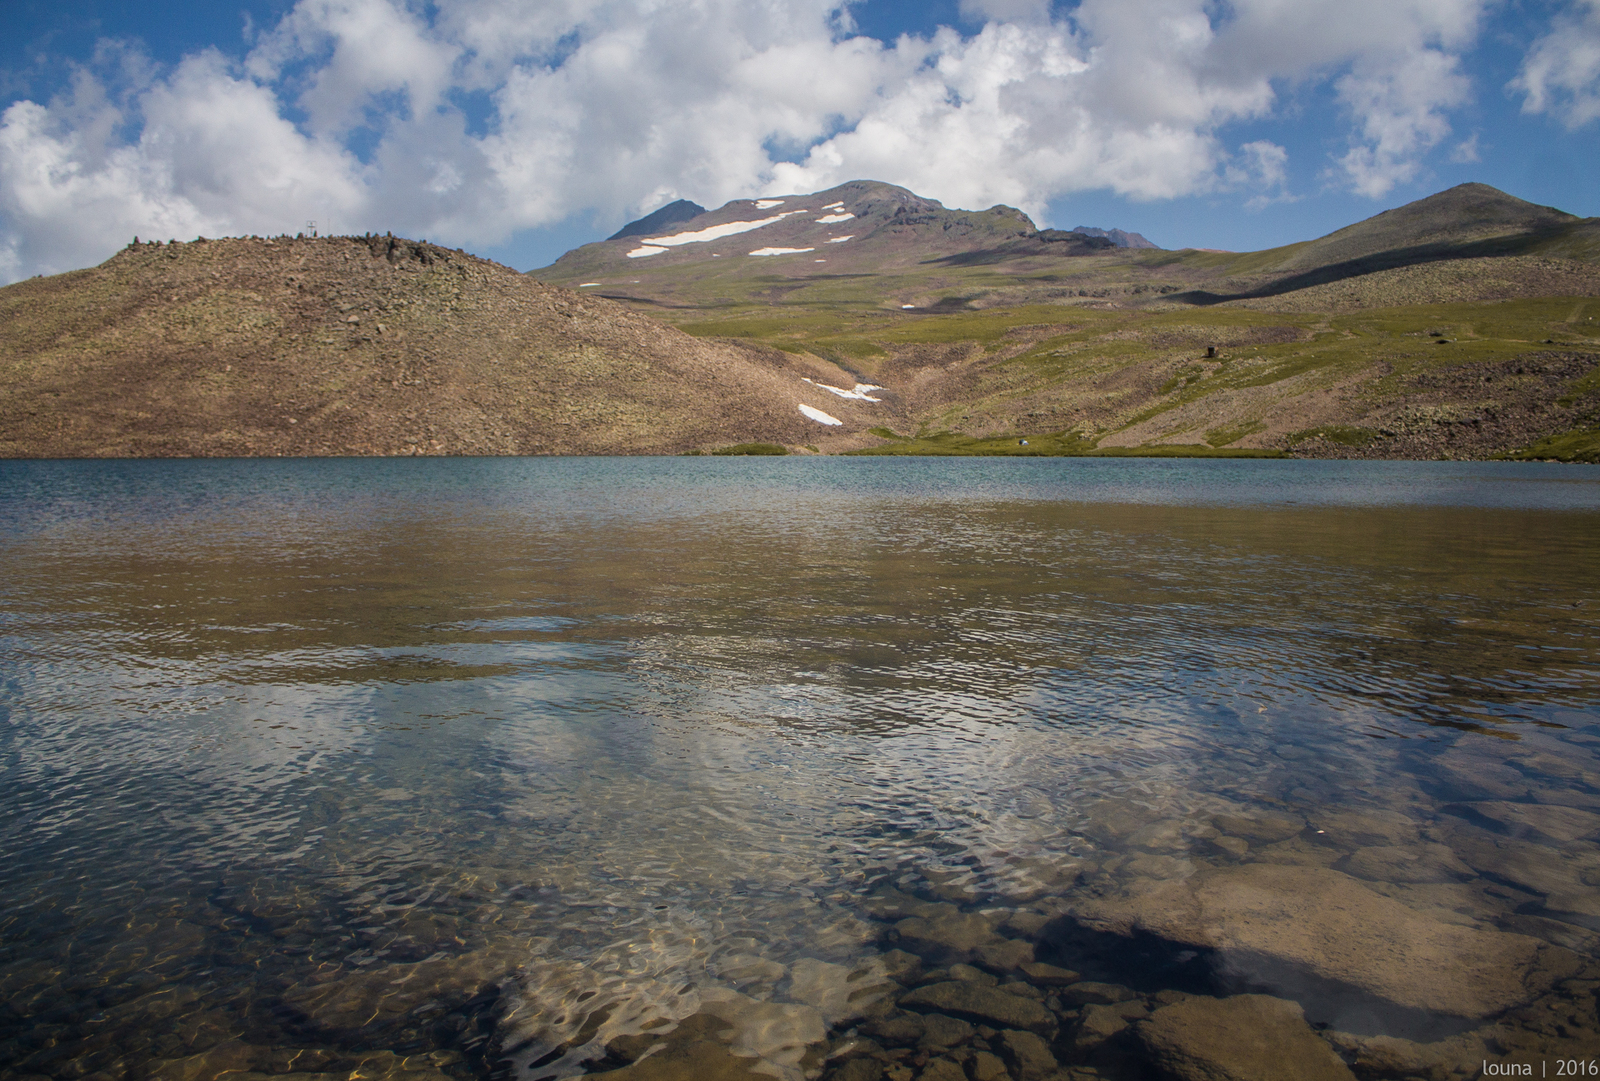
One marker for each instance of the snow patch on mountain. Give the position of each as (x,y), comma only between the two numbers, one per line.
(717,232)
(859,393)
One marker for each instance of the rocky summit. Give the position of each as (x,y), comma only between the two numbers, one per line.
(369,346)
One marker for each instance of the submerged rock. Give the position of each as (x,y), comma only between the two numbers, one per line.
(962,938)
(1271,920)
(1405,863)
(1044,975)
(1537,821)
(1389,1056)
(1026,1053)
(693,1052)
(942,1069)
(1243,1038)
(1090,992)
(940,1031)
(384,994)
(1100,1023)
(1263,829)
(234,1058)
(778,1032)
(837,992)
(985,1005)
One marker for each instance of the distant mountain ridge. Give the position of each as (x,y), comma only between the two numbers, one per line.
(1463,324)
(1119,237)
(859,227)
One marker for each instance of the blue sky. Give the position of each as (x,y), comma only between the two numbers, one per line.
(520,128)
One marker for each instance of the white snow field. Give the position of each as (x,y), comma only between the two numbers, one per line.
(859,393)
(840,239)
(834,219)
(820,417)
(717,232)
(781,251)
(644,250)
(768,204)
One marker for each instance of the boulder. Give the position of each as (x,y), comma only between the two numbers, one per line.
(693,1052)
(1044,975)
(962,938)
(987,1066)
(1243,1038)
(972,975)
(984,1005)
(1389,1056)
(939,1031)
(901,967)
(1026,1053)
(942,1069)
(1100,1023)
(1088,992)
(898,1029)
(857,1069)
(1271,922)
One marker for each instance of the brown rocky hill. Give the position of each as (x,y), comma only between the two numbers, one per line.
(371,346)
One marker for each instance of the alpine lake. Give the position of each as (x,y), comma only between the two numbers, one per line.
(869,769)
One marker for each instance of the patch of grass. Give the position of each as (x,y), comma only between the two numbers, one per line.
(752,448)
(1184,450)
(1579,445)
(1056,445)
(1221,437)
(958,444)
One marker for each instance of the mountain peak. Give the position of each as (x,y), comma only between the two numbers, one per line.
(1464,213)
(654,222)
(1120,237)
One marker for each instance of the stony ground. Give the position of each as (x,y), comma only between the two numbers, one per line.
(366,346)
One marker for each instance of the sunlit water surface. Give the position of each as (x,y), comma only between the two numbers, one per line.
(600,739)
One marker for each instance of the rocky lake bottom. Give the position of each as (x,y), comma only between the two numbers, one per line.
(329,770)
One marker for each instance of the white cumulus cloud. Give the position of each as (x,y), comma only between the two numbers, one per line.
(1561,74)
(467,120)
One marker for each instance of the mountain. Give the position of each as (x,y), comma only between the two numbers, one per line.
(1459,325)
(862,319)
(859,227)
(671,214)
(370,346)
(1117,236)
(1449,220)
